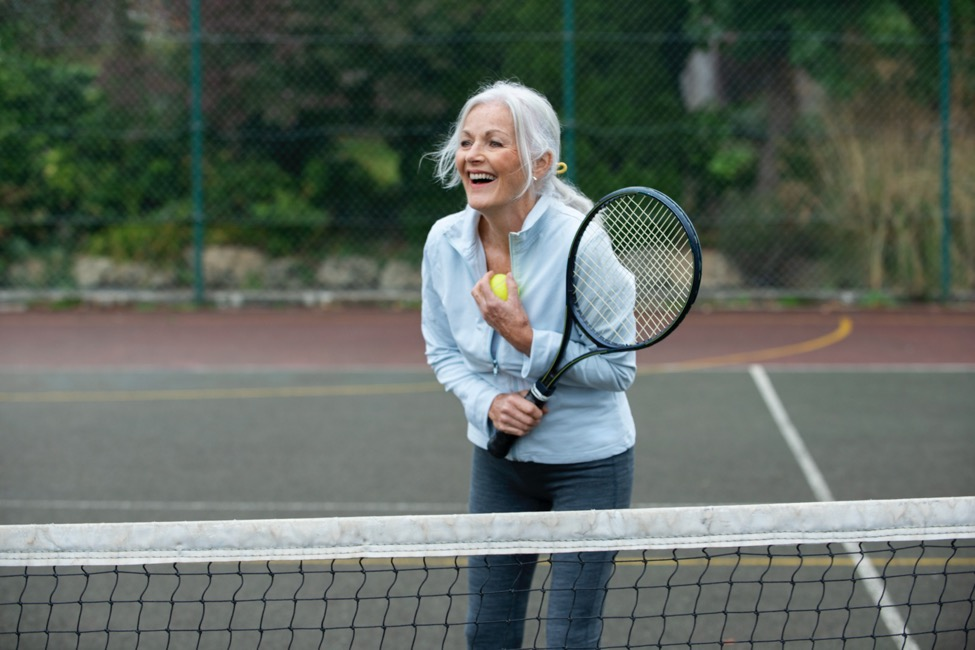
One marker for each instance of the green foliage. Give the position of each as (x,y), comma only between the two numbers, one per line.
(374,158)
(733,161)
(141,241)
(316,119)
(782,244)
(251,201)
(41,171)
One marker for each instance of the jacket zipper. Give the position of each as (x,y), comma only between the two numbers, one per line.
(492,351)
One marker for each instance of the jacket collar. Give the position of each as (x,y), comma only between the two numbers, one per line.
(462,234)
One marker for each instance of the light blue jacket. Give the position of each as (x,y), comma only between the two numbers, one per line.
(589,417)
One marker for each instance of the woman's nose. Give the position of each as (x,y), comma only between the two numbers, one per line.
(474,151)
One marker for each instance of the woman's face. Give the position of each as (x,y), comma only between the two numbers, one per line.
(490,165)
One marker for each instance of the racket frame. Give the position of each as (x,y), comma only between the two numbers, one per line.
(540,392)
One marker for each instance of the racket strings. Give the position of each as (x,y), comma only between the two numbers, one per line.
(634,273)
(654,230)
(659,255)
(604,292)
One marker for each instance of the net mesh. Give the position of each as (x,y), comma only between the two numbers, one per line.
(634,271)
(877,574)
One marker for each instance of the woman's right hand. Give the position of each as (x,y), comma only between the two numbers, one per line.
(507,317)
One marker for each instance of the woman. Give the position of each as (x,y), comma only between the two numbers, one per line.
(577,453)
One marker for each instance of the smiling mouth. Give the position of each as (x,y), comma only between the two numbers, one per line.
(481,179)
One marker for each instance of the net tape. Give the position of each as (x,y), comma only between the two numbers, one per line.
(486,534)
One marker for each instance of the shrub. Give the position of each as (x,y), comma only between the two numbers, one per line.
(882,187)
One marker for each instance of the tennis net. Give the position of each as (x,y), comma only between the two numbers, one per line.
(870,574)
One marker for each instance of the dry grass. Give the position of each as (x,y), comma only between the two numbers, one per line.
(882,187)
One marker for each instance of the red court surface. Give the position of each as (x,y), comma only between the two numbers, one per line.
(354,337)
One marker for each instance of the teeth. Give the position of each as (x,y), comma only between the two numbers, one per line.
(482,177)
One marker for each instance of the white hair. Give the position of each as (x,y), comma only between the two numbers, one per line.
(537,132)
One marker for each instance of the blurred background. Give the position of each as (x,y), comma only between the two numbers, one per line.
(164,150)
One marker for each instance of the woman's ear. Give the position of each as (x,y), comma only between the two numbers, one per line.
(542,165)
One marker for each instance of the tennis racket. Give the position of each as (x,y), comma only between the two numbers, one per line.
(633,273)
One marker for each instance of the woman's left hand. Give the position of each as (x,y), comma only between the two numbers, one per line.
(513,413)
(507,317)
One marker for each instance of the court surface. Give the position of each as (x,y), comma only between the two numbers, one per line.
(111,415)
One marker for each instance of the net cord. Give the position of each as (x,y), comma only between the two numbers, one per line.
(459,535)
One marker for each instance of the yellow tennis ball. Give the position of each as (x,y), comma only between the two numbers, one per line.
(499,285)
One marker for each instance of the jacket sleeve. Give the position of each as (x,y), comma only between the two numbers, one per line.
(610,307)
(443,355)
(610,372)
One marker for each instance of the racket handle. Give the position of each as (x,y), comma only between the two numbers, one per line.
(500,443)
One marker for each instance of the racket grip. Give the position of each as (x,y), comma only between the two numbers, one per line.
(500,443)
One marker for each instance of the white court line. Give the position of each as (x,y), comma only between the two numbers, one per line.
(814,477)
(863,568)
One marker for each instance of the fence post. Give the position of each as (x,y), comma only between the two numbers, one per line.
(945,66)
(569,88)
(196,149)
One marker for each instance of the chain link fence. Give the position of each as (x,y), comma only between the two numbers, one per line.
(154,149)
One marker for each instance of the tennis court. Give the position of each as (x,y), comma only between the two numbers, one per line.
(128,416)
(120,416)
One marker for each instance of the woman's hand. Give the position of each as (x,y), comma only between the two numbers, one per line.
(507,317)
(512,413)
